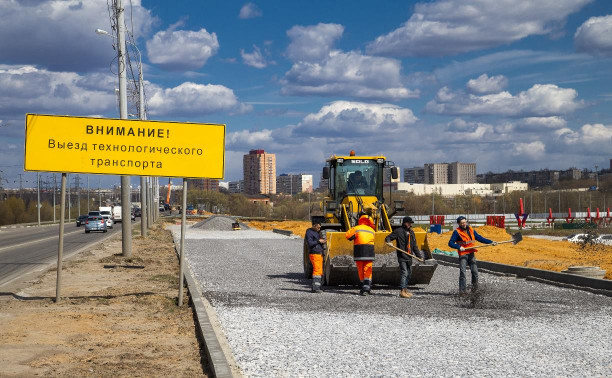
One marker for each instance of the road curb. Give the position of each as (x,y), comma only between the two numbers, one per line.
(593,285)
(218,360)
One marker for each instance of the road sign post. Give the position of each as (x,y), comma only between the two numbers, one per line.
(181,252)
(60,249)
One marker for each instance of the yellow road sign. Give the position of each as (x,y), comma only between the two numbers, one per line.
(124,147)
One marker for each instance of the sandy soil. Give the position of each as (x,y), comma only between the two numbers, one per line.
(110,321)
(531,252)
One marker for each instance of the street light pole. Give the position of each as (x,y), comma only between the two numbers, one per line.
(596,177)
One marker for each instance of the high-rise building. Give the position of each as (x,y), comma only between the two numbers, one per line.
(235,186)
(436,173)
(205,184)
(293,184)
(259,170)
(461,173)
(414,175)
(387,180)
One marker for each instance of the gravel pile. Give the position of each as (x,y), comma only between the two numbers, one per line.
(218,223)
(388,259)
(276,327)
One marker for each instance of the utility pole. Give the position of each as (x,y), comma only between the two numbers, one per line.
(126,224)
(20,185)
(559,202)
(99,192)
(77,183)
(596,177)
(87,194)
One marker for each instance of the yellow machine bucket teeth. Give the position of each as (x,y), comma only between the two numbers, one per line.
(340,269)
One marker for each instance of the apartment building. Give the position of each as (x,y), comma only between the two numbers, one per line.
(293,184)
(259,170)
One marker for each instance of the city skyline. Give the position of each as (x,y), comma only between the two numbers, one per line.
(505,86)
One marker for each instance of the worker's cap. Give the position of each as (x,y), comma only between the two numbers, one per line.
(407,220)
(460,219)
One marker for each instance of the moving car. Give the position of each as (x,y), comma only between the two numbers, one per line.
(95,223)
(109,221)
(604,239)
(94,213)
(137,212)
(81,220)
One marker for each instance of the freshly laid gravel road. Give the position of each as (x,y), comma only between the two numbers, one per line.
(277,327)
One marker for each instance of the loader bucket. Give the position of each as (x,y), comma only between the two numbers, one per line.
(340,269)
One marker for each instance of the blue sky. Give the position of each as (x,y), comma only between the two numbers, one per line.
(504,83)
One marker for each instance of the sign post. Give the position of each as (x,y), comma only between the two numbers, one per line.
(123,147)
(60,247)
(181,253)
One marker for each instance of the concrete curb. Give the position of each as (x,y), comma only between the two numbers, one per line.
(282,232)
(218,360)
(593,285)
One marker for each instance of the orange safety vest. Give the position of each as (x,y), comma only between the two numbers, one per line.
(467,240)
(363,241)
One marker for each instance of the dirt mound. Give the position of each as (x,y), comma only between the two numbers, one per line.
(218,223)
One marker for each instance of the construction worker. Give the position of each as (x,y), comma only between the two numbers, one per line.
(462,239)
(405,240)
(316,248)
(362,236)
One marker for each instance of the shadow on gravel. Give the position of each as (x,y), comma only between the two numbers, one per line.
(22,298)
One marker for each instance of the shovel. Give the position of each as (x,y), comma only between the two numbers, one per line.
(516,238)
(401,250)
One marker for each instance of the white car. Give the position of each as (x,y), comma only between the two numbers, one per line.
(577,238)
(604,239)
(109,221)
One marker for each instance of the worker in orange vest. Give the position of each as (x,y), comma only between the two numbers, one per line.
(362,236)
(316,248)
(462,239)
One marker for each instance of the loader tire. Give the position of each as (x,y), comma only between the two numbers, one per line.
(307,263)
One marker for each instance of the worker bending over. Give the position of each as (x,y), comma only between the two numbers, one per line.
(405,239)
(462,240)
(316,247)
(362,236)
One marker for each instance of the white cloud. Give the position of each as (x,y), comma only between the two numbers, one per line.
(484,84)
(594,36)
(27,89)
(59,34)
(249,10)
(249,138)
(348,74)
(593,136)
(254,59)
(182,49)
(356,118)
(448,27)
(193,99)
(312,43)
(502,60)
(532,150)
(541,100)
(536,123)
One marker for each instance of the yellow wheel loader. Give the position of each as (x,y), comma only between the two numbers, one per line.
(355,186)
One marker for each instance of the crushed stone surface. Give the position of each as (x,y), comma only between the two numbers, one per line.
(218,223)
(277,327)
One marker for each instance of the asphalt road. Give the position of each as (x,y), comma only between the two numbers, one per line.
(27,249)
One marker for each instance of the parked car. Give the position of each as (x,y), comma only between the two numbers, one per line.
(95,223)
(604,239)
(576,238)
(81,220)
(109,221)
(137,212)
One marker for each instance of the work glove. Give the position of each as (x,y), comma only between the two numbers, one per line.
(494,243)
(461,249)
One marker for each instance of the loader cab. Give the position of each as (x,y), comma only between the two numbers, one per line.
(355,176)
